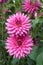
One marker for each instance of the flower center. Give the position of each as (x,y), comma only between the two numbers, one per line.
(19,42)
(18,23)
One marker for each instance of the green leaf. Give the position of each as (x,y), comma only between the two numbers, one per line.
(33,54)
(14,61)
(34,22)
(30,62)
(39,60)
(18,5)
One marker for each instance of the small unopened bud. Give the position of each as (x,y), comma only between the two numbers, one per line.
(35,15)
(14,1)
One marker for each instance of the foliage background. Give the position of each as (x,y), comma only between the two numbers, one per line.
(36,56)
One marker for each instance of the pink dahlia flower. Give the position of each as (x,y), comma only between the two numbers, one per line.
(18,24)
(30,6)
(19,47)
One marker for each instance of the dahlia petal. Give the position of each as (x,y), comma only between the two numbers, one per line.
(10,28)
(17,54)
(25,31)
(12,31)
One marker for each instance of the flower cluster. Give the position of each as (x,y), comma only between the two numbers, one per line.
(19,43)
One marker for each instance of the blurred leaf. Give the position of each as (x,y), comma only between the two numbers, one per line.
(18,5)
(0,31)
(2,43)
(34,22)
(8,6)
(14,61)
(31,62)
(37,24)
(33,54)
(39,59)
